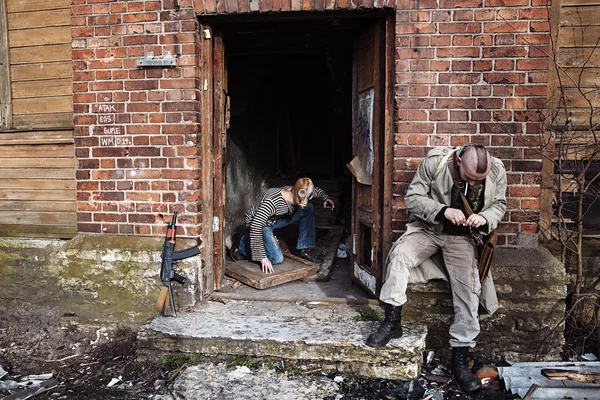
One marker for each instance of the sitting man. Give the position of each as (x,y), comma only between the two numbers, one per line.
(440,221)
(276,208)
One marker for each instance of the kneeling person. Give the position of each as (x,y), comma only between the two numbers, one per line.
(275,209)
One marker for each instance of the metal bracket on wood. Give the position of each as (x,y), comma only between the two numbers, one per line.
(149,61)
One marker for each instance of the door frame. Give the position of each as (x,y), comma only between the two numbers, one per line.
(213,139)
(380,215)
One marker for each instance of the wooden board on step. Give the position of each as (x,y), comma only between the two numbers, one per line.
(292,268)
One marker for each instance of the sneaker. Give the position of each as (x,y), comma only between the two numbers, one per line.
(236,237)
(305,254)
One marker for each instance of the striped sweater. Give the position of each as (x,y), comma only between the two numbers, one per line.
(271,206)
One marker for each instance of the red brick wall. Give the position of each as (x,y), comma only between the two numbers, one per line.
(136,130)
(466,70)
(472,71)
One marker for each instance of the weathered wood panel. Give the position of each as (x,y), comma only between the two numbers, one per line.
(38,121)
(40,54)
(37,184)
(37,218)
(44,137)
(46,105)
(50,88)
(39,19)
(35,5)
(577,36)
(580,2)
(580,77)
(35,173)
(41,71)
(32,206)
(38,231)
(579,57)
(252,275)
(39,36)
(580,16)
(36,162)
(38,190)
(41,151)
(40,59)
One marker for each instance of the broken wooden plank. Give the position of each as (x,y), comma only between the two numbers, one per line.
(577,376)
(251,274)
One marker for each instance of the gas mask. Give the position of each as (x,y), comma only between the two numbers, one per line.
(302,191)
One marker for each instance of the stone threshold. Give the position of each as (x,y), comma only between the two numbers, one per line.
(326,335)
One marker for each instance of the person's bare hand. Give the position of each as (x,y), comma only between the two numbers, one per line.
(475,221)
(329,201)
(455,216)
(267,267)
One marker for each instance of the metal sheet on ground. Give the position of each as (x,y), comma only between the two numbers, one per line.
(251,274)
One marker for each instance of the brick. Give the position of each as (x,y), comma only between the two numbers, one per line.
(457,52)
(503,27)
(456,128)
(138,40)
(415,28)
(497,128)
(532,65)
(459,78)
(502,90)
(461,3)
(460,91)
(462,40)
(415,53)
(515,103)
(504,52)
(504,78)
(489,103)
(461,66)
(455,104)
(140,17)
(462,27)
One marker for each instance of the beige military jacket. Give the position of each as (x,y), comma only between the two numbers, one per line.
(429,192)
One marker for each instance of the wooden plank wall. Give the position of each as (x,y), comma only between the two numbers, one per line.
(37,158)
(579,59)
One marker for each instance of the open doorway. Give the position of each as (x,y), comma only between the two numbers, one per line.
(290,100)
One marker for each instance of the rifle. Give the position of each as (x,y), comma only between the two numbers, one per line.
(167,273)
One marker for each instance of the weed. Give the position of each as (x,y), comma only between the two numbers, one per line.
(175,361)
(368,315)
(243,361)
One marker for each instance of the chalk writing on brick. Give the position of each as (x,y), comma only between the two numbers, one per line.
(106,119)
(115,141)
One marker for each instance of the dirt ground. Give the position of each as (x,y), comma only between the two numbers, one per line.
(84,360)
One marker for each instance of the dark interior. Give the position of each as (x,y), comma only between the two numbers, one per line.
(290,88)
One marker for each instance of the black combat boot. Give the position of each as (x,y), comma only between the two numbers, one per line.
(467,380)
(390,328)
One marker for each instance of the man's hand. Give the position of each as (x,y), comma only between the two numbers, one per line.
(329,201)
(475,221)
(267,267)
(455,216)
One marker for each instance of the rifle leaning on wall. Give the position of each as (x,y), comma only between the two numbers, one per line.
(167,273)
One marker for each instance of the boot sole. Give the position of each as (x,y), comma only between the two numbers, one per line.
(377,346)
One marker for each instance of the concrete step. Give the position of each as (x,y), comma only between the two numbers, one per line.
(324,335)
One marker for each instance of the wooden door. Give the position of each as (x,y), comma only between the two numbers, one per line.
(221,123)
(372,151)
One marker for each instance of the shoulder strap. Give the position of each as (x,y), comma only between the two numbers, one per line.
(453,172)
(441,164)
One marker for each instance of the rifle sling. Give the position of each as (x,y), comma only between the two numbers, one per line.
(454,174)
